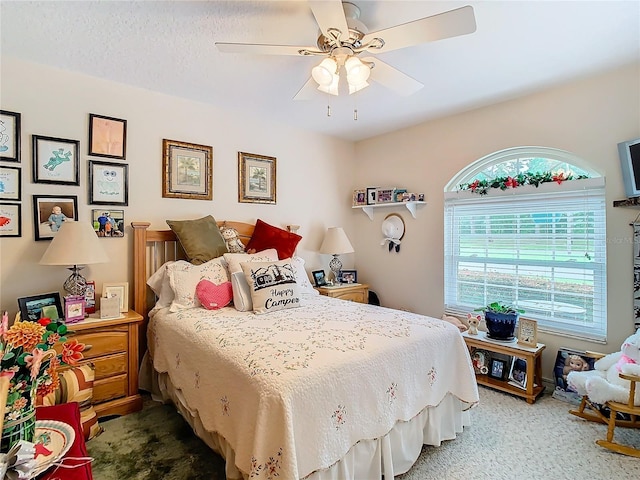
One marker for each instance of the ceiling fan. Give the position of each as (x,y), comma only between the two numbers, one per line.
(344,38)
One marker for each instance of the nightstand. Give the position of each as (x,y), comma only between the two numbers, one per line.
(357,292)
(114,352)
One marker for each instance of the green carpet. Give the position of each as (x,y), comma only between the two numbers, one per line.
(152,444)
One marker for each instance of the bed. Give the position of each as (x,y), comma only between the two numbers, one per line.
(327,390)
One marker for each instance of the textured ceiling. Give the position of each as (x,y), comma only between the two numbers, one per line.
(519,47)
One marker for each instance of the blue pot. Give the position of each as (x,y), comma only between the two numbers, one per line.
(501,326)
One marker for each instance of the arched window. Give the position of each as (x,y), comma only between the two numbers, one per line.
(526,226)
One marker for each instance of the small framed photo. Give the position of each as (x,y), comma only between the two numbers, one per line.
(384,195)
(256,178)
(9,136)
(46,305)
(50,211)
(371,195)
(498,369)
(10,220)
(120,290)
(10,183)
(359,197)
(90,297)
(187,170)
(348,276)
(518,372)
(56,160)
(108,223)
(527,332)
(108,183)
(74,307)
(107,137)
(480,360)
(319,278)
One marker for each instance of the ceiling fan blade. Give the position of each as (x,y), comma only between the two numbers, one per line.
(460,21)
(307,91)
(392,78)
(261,49)
(329,15)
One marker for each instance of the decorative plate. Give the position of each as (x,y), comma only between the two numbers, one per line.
(53,440)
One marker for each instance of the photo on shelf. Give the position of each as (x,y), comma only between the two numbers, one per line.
(518,373)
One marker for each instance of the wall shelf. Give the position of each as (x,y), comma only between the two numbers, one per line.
(411,206)
(629,202)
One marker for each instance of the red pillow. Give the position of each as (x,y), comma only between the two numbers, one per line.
(212,296)
(267,236)
(68,413)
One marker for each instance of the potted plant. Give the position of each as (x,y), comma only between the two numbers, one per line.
(501,320)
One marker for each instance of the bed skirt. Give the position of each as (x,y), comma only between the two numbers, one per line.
(389,455)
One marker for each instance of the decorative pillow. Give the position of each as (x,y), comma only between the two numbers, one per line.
(232,239)
(267,236)
(212,296)
(76,385)
(200,239)
(161,286)
(233,260)
(184,277)
(273,285)
(241,292)
(302,279)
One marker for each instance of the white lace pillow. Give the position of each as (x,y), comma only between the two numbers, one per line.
(241,292)
(184,277)
(302,279)
(273,285)
(234,259)
(161,286)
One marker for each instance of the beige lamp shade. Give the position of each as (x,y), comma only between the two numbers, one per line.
(336,242)
(76,243)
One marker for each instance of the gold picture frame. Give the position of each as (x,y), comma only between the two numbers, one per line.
(527,332)
(256,178)
(187,170)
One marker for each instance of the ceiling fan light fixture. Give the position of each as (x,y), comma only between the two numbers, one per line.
(325,72)
(332,88)
(357,72)
(353,88)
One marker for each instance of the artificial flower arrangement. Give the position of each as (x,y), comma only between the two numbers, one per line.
(31,364)
(482,186)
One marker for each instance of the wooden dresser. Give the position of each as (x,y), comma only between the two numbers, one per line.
(358,292)
(114,352)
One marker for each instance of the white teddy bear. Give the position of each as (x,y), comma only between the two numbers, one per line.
(230,235)
(603,382)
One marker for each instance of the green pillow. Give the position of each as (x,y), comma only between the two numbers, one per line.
(200,239)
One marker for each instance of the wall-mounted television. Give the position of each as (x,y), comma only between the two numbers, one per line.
(630,163)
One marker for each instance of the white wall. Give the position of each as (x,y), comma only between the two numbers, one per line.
(312,170)
(587,117)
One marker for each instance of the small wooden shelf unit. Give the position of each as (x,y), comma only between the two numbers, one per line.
(533,357)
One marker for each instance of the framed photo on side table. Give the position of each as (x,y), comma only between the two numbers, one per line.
(90,297)
(319,278)
(256,178)
(518,372)
(348,276)
(46,305)
(9,136)
(74,308)
(107,137)
(527,332)
(187,170)
(498,369)
(120,290)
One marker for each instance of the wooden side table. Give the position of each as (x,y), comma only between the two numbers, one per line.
(114,352)
(532,355)
(354,292)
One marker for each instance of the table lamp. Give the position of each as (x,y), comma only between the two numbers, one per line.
(76,243)
(336,243)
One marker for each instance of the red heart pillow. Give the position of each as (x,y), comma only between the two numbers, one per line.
(214,296)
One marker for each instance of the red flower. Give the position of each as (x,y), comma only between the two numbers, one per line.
(474,185)
(559,177)
(72,352)
(44,321)
(511,182)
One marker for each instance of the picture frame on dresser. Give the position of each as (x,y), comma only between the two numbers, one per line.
(74,308)
(348,276)
(527,332)
(9,136)
(34,307)
(108,183)
(518,372)
(10,219)
(10,183)
(56,161)
(107,137)
(497,369)
(120,290)
(319,278)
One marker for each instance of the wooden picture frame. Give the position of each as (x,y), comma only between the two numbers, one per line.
(38,306)
(319,278)
(108,223)
(527,332)
(497,369)
(10,183)
(120,290)
(107,137)
(108,183)
(256,178)
(49,211)
(10,220)
(74,308)
(56,161)
(348,276)
(359,198)
(187,170)
(9,136)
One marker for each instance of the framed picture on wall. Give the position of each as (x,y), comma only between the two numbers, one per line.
(10,183)
(107,136)
(50,211)
(108,183)
(9,136)
(56,160)
(108,223)
(256,178)
(10,220)
(187,170)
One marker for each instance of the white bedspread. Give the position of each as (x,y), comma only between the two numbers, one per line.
(292,391)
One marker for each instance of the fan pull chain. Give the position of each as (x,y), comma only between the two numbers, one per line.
(328,110)
(355,114)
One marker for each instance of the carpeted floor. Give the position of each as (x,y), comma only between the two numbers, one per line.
(509,439)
